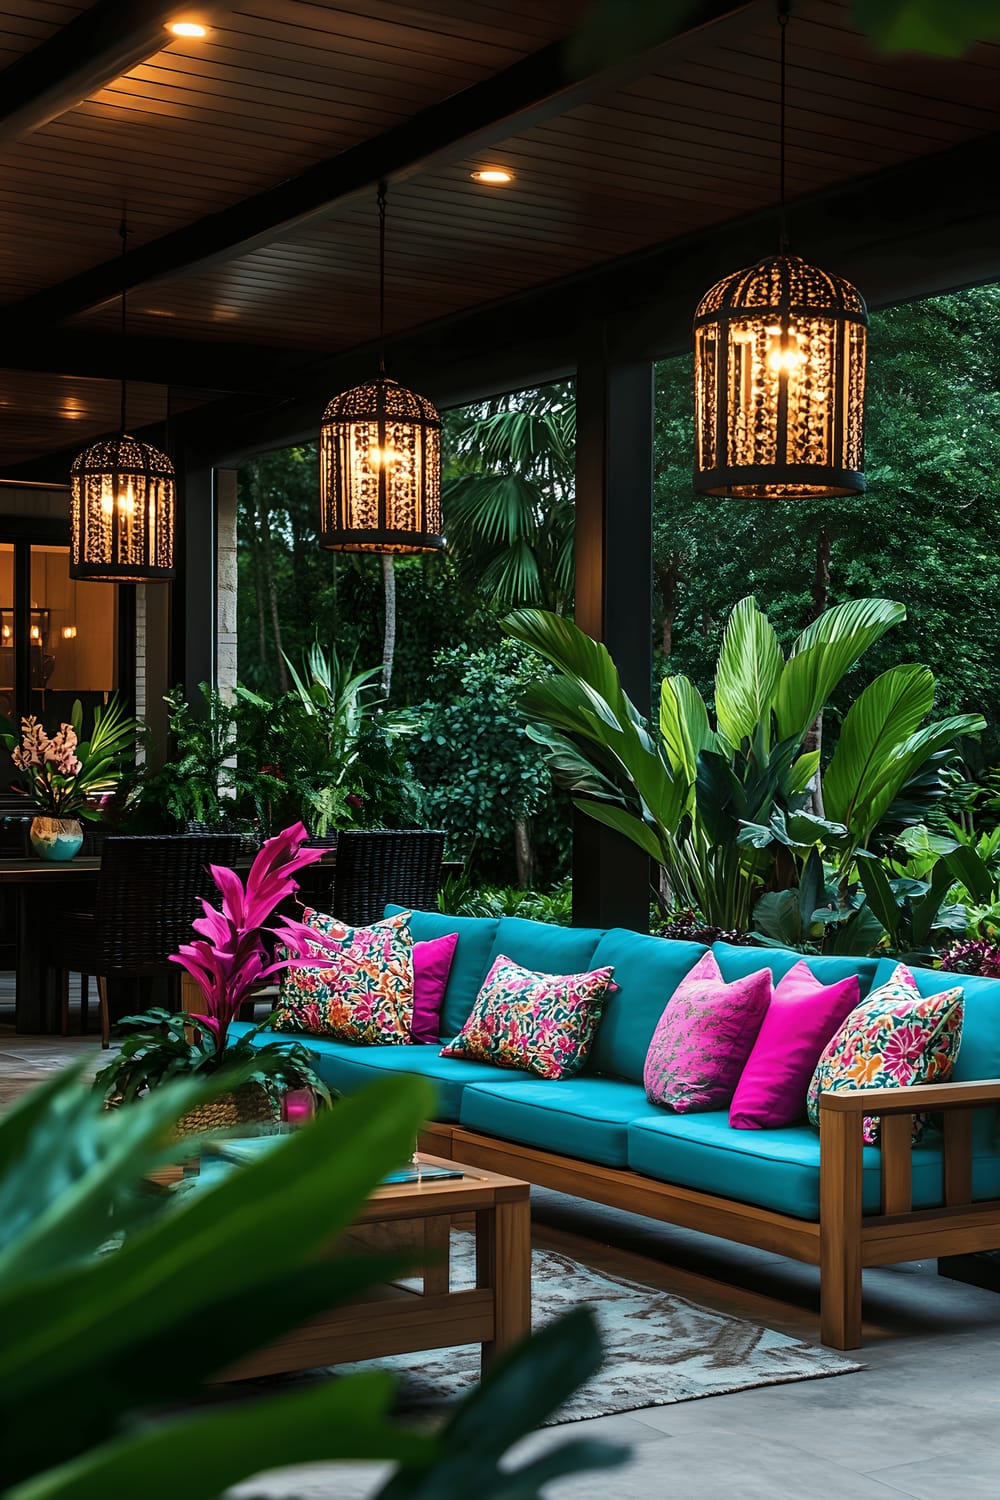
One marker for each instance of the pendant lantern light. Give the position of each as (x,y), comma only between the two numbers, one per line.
(380,459)
(122,501)
(780,375)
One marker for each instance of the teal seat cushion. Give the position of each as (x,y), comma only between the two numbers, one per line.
(582,1117)
(544,947)
(476,936)
(647,971)
(736,962)
(349,1068)
(777,1169)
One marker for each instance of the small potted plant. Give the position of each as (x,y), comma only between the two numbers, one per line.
(234,953)
(66,778)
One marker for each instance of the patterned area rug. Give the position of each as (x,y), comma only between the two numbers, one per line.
(659,1348)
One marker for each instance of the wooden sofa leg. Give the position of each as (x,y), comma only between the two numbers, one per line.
(840,1229)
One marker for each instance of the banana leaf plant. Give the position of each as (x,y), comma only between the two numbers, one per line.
(688,794)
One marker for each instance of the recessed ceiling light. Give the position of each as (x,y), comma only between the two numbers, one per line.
(494,176)
(187,28)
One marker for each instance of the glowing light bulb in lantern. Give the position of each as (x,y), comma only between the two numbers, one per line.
(382,458)
(784,353)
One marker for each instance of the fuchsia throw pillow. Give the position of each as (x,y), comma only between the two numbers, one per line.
(704,1038)
(802,1017)
(431,967)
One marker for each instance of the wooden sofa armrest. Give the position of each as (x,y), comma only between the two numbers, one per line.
(915,1096)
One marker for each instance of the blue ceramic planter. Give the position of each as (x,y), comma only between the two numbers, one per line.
(56,838)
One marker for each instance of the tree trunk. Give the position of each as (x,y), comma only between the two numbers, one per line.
(272,589)
(523,852)
(668,577)
(257,570)
(389,638)
(821,597)
(821,574)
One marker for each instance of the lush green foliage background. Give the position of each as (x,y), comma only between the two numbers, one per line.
(925,534)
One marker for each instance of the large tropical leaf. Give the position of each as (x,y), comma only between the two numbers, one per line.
(884,716)
(574,653)
(897,767)
(685,730)
(748,672)
(496,508)
(625,822)
(822,654)
(610,719)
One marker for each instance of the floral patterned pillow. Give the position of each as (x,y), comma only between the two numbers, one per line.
(540,1023)
(704,1037)
(364,994)
(895,1037)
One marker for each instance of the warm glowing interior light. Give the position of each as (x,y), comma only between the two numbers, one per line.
(492,174)
(36,634)
(6,632)
(383,458)
(69,632)
(187,28)
(784,351)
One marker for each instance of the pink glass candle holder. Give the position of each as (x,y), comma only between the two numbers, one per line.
(298,1106)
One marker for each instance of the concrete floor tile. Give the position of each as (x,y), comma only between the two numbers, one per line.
(974,1474)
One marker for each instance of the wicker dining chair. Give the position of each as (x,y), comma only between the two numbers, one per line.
(396,864)
(148,893)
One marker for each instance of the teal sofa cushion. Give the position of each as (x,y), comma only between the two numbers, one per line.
(735,962)
(582,1117)
(476,936)
(647,971)
(349,1068)
(777,1169)
(544,947)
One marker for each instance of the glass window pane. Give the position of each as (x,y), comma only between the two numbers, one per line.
(72,631)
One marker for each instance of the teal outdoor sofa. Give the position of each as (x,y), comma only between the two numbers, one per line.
(819,1196)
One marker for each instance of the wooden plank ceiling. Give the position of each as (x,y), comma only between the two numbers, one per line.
(202,126)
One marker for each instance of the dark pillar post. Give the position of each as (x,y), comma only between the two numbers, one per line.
(614,506)
(194,603)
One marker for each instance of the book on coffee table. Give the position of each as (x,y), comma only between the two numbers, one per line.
(246,1149)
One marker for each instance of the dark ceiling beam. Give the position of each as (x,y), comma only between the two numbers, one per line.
(77,61)
(535,89)
(204,365)
(875,230)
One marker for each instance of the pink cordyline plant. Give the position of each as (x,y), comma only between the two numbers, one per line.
(230,957)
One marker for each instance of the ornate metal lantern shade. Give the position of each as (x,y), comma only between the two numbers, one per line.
(780,384)
(380,471)
(122,501)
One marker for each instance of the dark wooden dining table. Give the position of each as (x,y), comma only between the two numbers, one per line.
(43,889)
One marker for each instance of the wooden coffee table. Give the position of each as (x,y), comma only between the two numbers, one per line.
(398,1319)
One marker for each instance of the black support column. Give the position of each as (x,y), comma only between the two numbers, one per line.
(614,507)
(194,602)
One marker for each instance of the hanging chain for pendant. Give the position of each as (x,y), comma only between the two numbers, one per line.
(123,231)
(783,9)
(381,278)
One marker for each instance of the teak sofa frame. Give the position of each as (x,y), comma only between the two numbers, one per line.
(844,1240)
